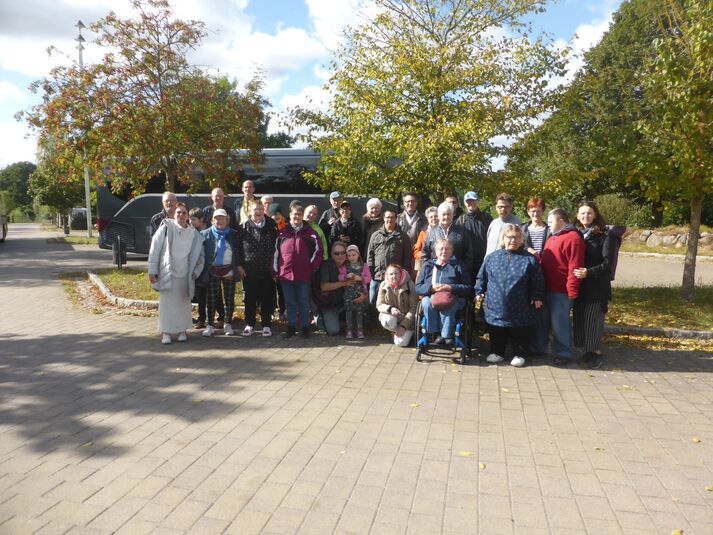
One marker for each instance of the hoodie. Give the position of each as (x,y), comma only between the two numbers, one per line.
(563,252)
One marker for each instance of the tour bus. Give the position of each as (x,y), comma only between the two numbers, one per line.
(279,175)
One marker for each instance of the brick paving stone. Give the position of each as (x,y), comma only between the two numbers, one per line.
(111,432)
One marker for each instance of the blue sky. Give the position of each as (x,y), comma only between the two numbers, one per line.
(290,40)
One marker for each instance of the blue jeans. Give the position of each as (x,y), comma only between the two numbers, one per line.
(441,320)
(296,300)
(328,319)
(373,291)
(560,305)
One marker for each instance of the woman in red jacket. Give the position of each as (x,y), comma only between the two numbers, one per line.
(298,254)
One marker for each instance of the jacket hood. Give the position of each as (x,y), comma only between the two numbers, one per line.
(569,227)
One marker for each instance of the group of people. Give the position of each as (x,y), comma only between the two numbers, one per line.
(334,269)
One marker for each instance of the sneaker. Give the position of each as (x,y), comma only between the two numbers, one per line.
(248,330)
(493,358)
(305,332)
(289,333)
(266,331)
(166,339)
(518,362)
(448,341)
(228,329)
(560,362)
(439,340)
(591,360)
(350,335)
(208,331)
(360,334)
(182,337)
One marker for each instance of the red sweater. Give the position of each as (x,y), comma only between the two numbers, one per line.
(563,252)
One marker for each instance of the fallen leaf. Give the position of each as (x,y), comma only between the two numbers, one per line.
(465,453)
(599,448)
(414,405)
(338,371)
(481,466)
(87,444)
(197,401)
(505,390)
(696,440)
(709,488)
(179,369)
(677,532)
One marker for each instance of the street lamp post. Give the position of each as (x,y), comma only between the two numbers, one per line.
(87,200)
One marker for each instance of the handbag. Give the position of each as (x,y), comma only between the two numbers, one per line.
(441,300)
(221,271)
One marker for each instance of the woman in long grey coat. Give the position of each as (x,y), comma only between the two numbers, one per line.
(175,261)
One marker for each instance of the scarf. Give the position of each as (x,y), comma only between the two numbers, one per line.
(220,236)
(586,231)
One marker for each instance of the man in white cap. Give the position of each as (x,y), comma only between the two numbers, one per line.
(476,222)
(330,216)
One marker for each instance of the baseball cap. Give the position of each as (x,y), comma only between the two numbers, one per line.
(220,211)
(345,204)
(471,196)
(335,195)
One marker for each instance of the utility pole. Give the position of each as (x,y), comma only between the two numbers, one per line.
(87,200)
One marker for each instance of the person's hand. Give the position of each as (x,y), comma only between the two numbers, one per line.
(479,298)
(194,275)
(153,278)
(438,287)
(360,299)
(241,271)
(537,303)
(332,220)
(350,276)
(400,331)
(580,273)
(395,312)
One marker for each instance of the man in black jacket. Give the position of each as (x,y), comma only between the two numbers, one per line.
(219,202)
(169,209)
(476,222)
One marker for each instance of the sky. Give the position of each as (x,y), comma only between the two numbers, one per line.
(290,41)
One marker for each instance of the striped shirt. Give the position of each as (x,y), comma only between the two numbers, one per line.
(537,237)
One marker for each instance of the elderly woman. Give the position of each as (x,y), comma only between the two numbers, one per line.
(298,254)
(456,234)
(595,286)
(432,217)
(222,261)
(511,286)
(447,275)
(175,261)
(371,221)
(396,303)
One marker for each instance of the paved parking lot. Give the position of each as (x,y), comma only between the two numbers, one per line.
(104,430)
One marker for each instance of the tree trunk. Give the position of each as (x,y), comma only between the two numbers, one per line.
(688,285)
(656,213)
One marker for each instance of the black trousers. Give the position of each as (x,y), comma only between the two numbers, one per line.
(259,290)
(519,336)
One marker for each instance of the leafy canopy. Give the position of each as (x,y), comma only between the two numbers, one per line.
(421,92)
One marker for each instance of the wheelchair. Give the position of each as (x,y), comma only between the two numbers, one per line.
(463,338)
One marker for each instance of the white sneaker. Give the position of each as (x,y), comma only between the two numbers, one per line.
(494,359)
(166,338)
(228,329)
(266,331)
(208,331)
(248,330)
(182,337)
(518,362)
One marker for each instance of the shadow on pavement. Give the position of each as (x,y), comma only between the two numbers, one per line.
(70,390)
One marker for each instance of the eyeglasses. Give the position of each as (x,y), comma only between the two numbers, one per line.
(511,238)
(339,253)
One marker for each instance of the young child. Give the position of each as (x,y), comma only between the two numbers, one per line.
(198,222)
(354,269)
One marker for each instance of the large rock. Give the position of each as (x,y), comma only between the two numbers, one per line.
(669,240)
(682,239)
(644,235)
(654,240)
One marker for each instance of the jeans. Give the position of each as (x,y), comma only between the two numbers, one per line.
(441,320)
(373,291)
(297,300)
(328,319)
(560,305)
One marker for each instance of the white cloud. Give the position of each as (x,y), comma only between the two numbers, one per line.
(9,92)
(330,17)
(14,147)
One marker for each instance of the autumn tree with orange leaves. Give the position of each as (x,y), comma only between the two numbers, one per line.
(144,110)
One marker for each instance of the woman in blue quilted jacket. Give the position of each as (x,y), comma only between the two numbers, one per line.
(511,287)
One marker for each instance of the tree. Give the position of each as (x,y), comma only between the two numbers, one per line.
(277,140)
(420,93)
(679,79)
(13,181)
(53,185)
(144,110)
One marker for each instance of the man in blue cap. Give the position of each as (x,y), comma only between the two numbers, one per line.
(476,222)
(330,216)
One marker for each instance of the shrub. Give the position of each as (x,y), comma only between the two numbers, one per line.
(621,211)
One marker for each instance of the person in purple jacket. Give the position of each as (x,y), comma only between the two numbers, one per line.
(298,254)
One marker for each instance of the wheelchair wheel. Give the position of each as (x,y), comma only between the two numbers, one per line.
(418,355)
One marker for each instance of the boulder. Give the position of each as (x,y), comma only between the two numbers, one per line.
(669,240)
(654,240)
(682,239)
(644,235)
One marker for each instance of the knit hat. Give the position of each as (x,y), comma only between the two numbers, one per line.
(352,247)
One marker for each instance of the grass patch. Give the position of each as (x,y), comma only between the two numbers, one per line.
(134,284)
(660,306)
(73,240)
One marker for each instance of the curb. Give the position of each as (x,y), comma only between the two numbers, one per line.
(610,329)
(699,258)
(659,331)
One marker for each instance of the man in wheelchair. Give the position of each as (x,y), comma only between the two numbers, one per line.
(445,286)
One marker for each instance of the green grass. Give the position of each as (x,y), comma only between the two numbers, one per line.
(661,307)
(73,240)
(639,247)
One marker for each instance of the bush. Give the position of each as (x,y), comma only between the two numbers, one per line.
(620,211)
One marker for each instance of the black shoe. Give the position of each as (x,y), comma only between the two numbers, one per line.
(305,332)
(591,360)
(448,341)
(560,362)
(289,333)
